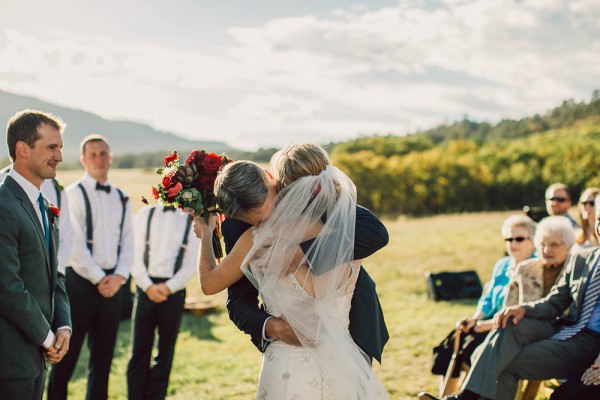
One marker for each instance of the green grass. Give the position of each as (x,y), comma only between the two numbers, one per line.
(214,360)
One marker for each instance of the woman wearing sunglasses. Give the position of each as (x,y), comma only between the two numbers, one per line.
(518,232)
(587,237)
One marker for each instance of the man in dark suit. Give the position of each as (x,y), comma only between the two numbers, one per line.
(554,337)
(34,308)
(247,192)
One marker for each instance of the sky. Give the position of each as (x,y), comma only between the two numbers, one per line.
(265,73)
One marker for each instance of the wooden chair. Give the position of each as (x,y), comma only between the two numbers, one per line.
(527,390)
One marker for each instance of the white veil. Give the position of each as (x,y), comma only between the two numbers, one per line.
(313,288)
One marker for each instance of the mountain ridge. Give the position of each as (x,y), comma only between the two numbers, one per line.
(125,137)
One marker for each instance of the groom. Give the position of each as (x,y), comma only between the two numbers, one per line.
(246,193)
(34,308)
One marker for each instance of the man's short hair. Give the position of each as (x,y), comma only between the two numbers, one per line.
(23,127)
(559,186)
(240,187)
(92,138)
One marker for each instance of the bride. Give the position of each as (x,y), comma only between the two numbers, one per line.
(310,287)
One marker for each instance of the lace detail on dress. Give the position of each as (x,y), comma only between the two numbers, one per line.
(297,284)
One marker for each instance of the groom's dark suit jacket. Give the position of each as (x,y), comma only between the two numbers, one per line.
(33,299)
(367,326)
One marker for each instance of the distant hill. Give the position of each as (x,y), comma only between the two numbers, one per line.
(125,137)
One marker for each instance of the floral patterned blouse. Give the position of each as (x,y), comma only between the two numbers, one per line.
(527,282)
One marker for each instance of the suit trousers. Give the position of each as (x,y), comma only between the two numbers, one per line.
(145,380)
(23,389)
(97,317)
(524,351)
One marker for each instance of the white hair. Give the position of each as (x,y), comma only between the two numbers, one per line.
(517,220)
(555,224)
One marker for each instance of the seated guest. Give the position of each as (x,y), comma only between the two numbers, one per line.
(532,279)
(518,232)
(558,202)
(549,338)
(587,235)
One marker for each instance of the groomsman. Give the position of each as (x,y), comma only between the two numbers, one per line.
(56,195)
(166,251)
(34,307)
(99,265)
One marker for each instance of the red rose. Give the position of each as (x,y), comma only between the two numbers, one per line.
(170,158)
(212,162)
(166,181)
(155,193)
(55,210)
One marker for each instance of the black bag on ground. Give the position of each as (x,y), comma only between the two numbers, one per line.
(453,285)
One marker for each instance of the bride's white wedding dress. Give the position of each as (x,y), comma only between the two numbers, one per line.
(328,365)
(296,373)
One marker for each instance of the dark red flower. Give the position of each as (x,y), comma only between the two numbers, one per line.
(55,210)
(171,157)
(155,193)
(144,200)
(196,157)
(207,182)
(212,162)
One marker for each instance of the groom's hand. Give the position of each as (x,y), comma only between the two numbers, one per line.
(278,328)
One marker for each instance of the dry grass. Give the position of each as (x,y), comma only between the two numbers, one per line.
(216,361)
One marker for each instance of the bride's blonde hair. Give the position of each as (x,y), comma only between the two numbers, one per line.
(297,160)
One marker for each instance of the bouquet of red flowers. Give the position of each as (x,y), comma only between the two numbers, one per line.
(189,185)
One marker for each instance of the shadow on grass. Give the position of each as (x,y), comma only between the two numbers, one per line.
(199,326)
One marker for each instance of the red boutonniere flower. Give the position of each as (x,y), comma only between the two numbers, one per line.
(55,211)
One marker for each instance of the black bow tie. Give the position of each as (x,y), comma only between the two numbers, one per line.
(106,188)
(166,208)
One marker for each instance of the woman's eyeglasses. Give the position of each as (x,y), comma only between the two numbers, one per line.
(517,239)
(587,203)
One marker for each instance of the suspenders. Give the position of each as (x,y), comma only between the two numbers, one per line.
(88,219)
(182,248)
(59,188)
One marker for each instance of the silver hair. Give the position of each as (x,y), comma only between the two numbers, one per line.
(517,220)
(555,224)
(240,186)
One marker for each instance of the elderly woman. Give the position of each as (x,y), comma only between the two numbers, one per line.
(532,279)
(587,236)
(518,232)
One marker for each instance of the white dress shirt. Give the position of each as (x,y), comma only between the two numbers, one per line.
(33,193)
(65,238)
(166,237)
(106,221)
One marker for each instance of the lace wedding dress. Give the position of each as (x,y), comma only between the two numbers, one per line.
(312,292)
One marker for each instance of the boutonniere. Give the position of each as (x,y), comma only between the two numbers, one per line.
(54,212)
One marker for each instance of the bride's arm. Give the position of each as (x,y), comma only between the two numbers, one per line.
(215,278)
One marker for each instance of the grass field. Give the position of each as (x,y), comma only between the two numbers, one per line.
(214,360)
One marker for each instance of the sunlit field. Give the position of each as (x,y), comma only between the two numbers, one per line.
(214,360)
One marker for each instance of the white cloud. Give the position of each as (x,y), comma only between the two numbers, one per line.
(394,69)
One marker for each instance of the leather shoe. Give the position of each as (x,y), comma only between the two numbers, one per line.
(427,396)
